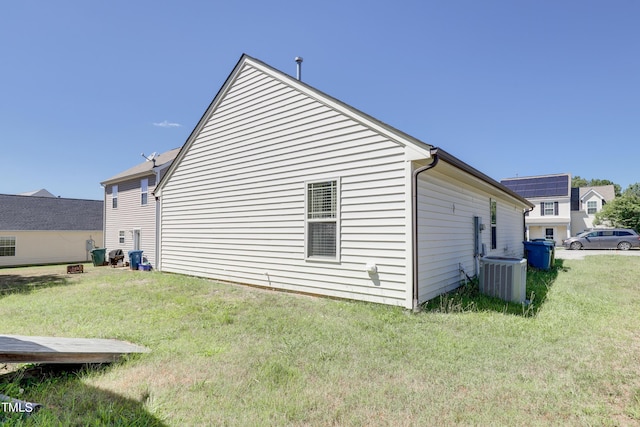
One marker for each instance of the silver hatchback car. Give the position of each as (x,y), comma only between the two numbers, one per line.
(613,238)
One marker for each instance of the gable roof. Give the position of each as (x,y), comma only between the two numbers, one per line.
(606,192)
(558,185)
(417,149)
(32,213)
(39,193)
(145,168)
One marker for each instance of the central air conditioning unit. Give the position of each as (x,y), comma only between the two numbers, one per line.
(505,278)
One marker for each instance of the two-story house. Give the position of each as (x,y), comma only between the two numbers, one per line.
(131,210)
(551,195)
(585,203)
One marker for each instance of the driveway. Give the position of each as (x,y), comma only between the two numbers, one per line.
(562,253)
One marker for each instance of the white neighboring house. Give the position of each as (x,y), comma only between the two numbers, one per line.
(47,229)
(282,186)
(585,203)
(551,196)
(131,209)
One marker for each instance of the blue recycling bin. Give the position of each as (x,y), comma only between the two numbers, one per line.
(135,258)
(540,253)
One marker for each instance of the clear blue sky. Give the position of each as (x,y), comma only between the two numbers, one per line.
(514,88)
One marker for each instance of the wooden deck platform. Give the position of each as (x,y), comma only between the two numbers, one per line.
(27,349)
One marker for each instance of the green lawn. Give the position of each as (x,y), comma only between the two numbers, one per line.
(234,355)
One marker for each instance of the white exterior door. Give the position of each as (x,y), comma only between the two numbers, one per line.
(136,240)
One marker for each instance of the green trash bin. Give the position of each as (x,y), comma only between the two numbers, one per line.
(97,256)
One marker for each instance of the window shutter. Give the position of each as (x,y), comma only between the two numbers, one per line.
(542,209)
(555,208)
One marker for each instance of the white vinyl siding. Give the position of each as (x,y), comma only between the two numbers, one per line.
(234,207)
(446,208)
(131,215)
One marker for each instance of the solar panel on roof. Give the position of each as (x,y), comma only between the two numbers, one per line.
(543,186)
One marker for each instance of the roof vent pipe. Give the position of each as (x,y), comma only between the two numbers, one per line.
(299,62)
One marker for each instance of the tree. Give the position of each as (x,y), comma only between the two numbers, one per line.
(578,181)
(621,212)
(633,190)
(598,182)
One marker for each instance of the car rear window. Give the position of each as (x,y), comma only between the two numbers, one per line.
(623,233)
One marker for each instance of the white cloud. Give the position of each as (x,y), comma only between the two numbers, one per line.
(167,124)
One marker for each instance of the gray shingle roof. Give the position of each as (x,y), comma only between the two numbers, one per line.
(32,213)
(608,192)
(39,193)
(146,166)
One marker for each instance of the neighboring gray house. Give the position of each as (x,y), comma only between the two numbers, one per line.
(131,208)
(282,186)
(48,230)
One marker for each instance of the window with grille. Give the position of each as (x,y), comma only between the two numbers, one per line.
(7,246)
(114,196)
(144,191)
(592,207)
(121,237)
(548,208)
(322,219)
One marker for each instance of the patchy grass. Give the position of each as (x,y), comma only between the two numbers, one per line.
(233,355)
(468,297)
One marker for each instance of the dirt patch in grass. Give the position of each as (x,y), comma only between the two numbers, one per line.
(25,280)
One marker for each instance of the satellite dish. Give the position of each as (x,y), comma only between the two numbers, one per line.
(151,156)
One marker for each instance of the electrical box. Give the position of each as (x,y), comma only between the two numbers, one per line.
(478,226)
